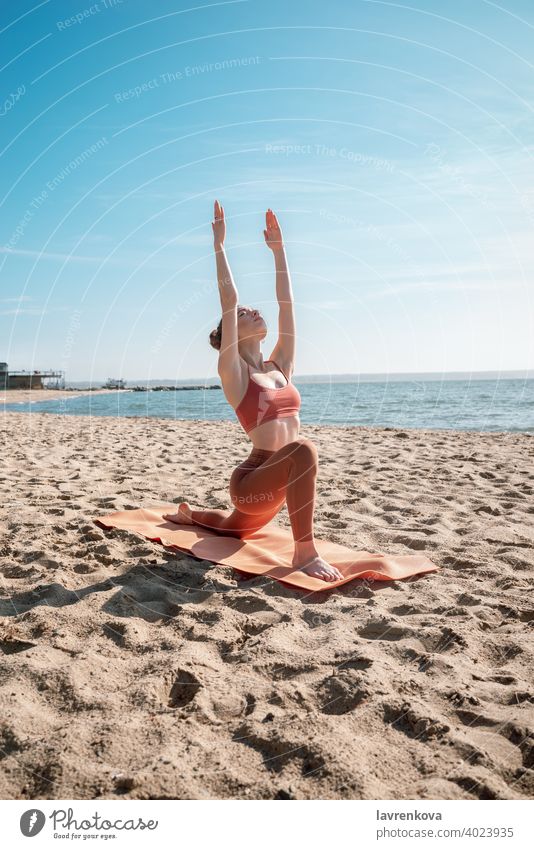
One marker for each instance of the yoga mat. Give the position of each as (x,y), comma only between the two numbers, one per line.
(267,552)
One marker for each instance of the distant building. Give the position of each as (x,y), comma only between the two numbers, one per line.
(30,379)
(115,383)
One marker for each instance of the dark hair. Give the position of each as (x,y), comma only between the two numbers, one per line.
(216,337)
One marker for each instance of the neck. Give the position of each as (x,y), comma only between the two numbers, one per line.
(251,352)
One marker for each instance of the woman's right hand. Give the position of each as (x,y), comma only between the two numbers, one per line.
(218,225)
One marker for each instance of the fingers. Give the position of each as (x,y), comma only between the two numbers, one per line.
(271,218)
(218,211)
(272,223)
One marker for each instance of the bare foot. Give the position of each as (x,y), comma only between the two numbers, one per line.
(319,568)
(182,516)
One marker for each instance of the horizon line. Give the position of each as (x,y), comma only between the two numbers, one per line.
(528,373)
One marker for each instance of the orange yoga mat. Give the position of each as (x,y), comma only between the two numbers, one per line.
(268,552)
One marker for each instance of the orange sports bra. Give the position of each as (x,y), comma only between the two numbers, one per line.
(261,405)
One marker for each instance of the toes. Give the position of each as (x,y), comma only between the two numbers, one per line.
(330,574)
(172,517)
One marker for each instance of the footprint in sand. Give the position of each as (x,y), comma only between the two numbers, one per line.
(405,610)
(250,703)
(479,788)
(12,645)
(341,693)
(17,570)
(357,662)
(91,533)
(151,609)
(468,599)
(54,595)
(43,776)
(115,631)
(9,742)
(445,639)
(206,617)
(277,751)
(415,543)
(487,508)
(461,562)
(183,689)
(85,568)
(102,553)
(384,629)
(248,603)
(284,671)
(315,619)
(413,720)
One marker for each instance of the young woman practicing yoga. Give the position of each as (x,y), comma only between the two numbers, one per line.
(282,467)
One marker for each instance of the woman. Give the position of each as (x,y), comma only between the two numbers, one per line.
(282,467)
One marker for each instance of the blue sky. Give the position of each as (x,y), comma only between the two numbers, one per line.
(394,142)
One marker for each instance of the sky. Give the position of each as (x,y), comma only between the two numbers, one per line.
(394,142)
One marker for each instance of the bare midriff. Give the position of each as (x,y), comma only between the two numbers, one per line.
(270,436)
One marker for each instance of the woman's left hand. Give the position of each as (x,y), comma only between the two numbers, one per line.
(273,233)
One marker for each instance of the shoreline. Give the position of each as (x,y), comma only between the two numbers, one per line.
(304,426)
(32,395)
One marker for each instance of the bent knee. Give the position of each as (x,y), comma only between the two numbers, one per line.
(304,451)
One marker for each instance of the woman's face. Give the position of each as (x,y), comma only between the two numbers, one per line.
(250,323)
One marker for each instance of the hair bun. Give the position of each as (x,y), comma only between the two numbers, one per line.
(215,339)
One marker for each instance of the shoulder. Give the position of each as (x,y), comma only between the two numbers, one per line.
(231,367)
(234,380)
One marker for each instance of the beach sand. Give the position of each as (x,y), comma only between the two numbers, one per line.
(131,671)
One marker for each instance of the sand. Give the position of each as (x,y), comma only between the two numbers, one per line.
(131,671)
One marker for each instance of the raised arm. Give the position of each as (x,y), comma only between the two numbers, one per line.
(229,365)
(284,350)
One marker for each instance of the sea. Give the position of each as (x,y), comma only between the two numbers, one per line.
(476,402)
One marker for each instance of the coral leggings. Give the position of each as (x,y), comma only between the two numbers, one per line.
(261,485)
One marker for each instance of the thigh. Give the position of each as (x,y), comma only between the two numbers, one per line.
(262,489)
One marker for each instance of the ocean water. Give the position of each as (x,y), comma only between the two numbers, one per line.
(480,405)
